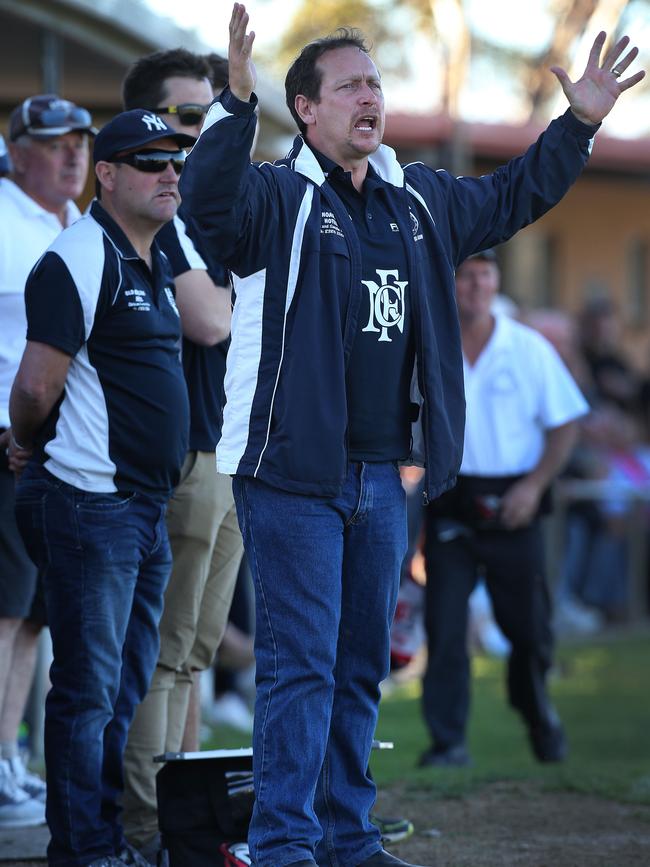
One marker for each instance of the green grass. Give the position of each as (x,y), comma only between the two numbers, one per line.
(601,690)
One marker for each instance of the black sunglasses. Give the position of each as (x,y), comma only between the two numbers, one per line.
(189,113)
(153,161)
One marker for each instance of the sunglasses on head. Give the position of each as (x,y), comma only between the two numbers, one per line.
(64,114)
(152,161)
(189,113)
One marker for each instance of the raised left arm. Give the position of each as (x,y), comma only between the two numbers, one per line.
(593,96)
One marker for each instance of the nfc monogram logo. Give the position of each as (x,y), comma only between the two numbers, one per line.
(387,302)
(154,122)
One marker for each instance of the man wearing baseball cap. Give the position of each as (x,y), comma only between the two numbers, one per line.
(201,520)
(99,417)
(46,165)
(47,115)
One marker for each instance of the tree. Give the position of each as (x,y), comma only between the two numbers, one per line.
(390,35)
(573,18)
(448,26)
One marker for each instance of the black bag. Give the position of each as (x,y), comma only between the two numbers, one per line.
(205,802)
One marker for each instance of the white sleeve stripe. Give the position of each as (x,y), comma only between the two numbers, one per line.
(190,252)
(79,451)
(420,199)
(81,248)
(216,113)
(242,369)
(294,267)
(245,352)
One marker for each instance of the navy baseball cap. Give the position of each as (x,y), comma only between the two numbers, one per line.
(5,161)
(134,129)
(47,115)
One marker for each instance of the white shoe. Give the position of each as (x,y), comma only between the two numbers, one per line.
(25,780)
(572,617)
(17,809)
(231,710)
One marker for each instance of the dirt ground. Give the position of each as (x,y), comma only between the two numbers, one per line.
(519,825)
(512,825)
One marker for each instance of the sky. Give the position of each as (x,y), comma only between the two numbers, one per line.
(508,20)
(488,96)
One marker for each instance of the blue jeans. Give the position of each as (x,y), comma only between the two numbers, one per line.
(326,574)
(105,560)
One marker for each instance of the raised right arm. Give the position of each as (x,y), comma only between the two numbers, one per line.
(230,201)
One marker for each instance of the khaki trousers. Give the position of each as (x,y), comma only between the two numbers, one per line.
(207,550)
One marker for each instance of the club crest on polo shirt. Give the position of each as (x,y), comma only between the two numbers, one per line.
(387,304)
(415,226)
(172,300)
(329,226)
(137,299)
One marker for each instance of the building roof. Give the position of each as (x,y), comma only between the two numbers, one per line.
(82,48)
(500,142)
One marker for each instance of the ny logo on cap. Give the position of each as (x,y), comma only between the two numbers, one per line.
(154,122)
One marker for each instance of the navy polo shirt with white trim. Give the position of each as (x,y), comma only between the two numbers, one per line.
(380,368)
(122,421)
(204,366)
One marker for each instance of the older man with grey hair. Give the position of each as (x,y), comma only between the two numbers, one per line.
(47,165)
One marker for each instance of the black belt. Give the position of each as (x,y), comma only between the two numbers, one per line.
(476,501)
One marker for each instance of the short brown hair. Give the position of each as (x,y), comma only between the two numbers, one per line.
(143,85)
(305,77)
(218,71)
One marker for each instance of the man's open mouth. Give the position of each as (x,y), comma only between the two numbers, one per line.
(366,124)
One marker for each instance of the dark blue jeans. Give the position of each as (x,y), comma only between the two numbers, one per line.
(105,561)
(326,573)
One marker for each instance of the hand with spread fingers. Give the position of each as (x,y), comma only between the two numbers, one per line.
(593,96)
(242,75)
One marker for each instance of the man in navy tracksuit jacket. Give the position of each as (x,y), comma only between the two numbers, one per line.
(344,333)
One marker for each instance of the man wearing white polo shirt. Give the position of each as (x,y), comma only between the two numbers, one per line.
(48,144)
(522,406)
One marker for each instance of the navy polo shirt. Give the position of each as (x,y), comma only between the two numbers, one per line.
(122,421)
(204,366)
(380,369)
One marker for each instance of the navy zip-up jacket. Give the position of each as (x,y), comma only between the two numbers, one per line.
(296,260)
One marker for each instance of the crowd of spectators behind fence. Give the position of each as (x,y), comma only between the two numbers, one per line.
(613,453)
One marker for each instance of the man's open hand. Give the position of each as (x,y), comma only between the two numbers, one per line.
(593,96)
(242,75)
